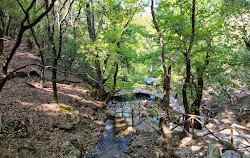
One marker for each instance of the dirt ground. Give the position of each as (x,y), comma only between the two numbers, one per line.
(32,126)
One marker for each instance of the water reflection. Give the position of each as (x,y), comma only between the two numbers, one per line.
(114,141)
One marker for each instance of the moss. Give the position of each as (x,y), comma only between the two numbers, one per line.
(67,108)
(78,102)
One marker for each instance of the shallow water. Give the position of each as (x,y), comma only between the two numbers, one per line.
(112,143)
(115,139)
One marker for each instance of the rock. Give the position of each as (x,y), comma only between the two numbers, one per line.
(66,127)
(27,150)
(230,154)
(131,130)
(213,151)
(185,153)
(246,156)
(68,150)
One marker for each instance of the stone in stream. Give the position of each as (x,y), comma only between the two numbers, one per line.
(213,151)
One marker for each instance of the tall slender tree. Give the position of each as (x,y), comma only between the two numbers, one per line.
(165,119)
(1,30)
(187,56)
(51,34)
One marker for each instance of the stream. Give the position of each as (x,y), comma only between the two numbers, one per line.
(116,137)
(117,134)
(114,140)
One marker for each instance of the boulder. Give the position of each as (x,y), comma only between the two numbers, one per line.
(213,151)
(230,154)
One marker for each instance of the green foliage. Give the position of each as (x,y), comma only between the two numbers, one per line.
(221,29)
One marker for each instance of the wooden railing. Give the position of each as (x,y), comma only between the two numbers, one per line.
(233,127)
(191,120)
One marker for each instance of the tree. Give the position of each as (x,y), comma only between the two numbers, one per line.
(187,56)
(51,34)
(237,19)
(165,120)
(108,23)
(1,31)
(22,29)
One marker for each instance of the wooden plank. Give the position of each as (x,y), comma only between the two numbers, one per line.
(215,131)
(243,147)
(241,135)
(211,132)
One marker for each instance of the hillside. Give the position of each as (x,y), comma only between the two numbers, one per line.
(32,126)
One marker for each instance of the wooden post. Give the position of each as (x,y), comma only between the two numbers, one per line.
(192,127)
(132,117)
(232,135)
(122,110)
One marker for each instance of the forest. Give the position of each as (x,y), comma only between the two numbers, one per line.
(124,78)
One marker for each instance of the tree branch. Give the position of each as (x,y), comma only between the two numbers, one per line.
(41,16)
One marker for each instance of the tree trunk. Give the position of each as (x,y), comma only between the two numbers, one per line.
(29,43)
(188,68)
(41,56)
(99,73)
(54,71)
(199,89)
(1,31)
(115,74)
(247,42)
(8,27)
(165,120)
(69,63)
(184,92)
(197,101)
(10,56)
